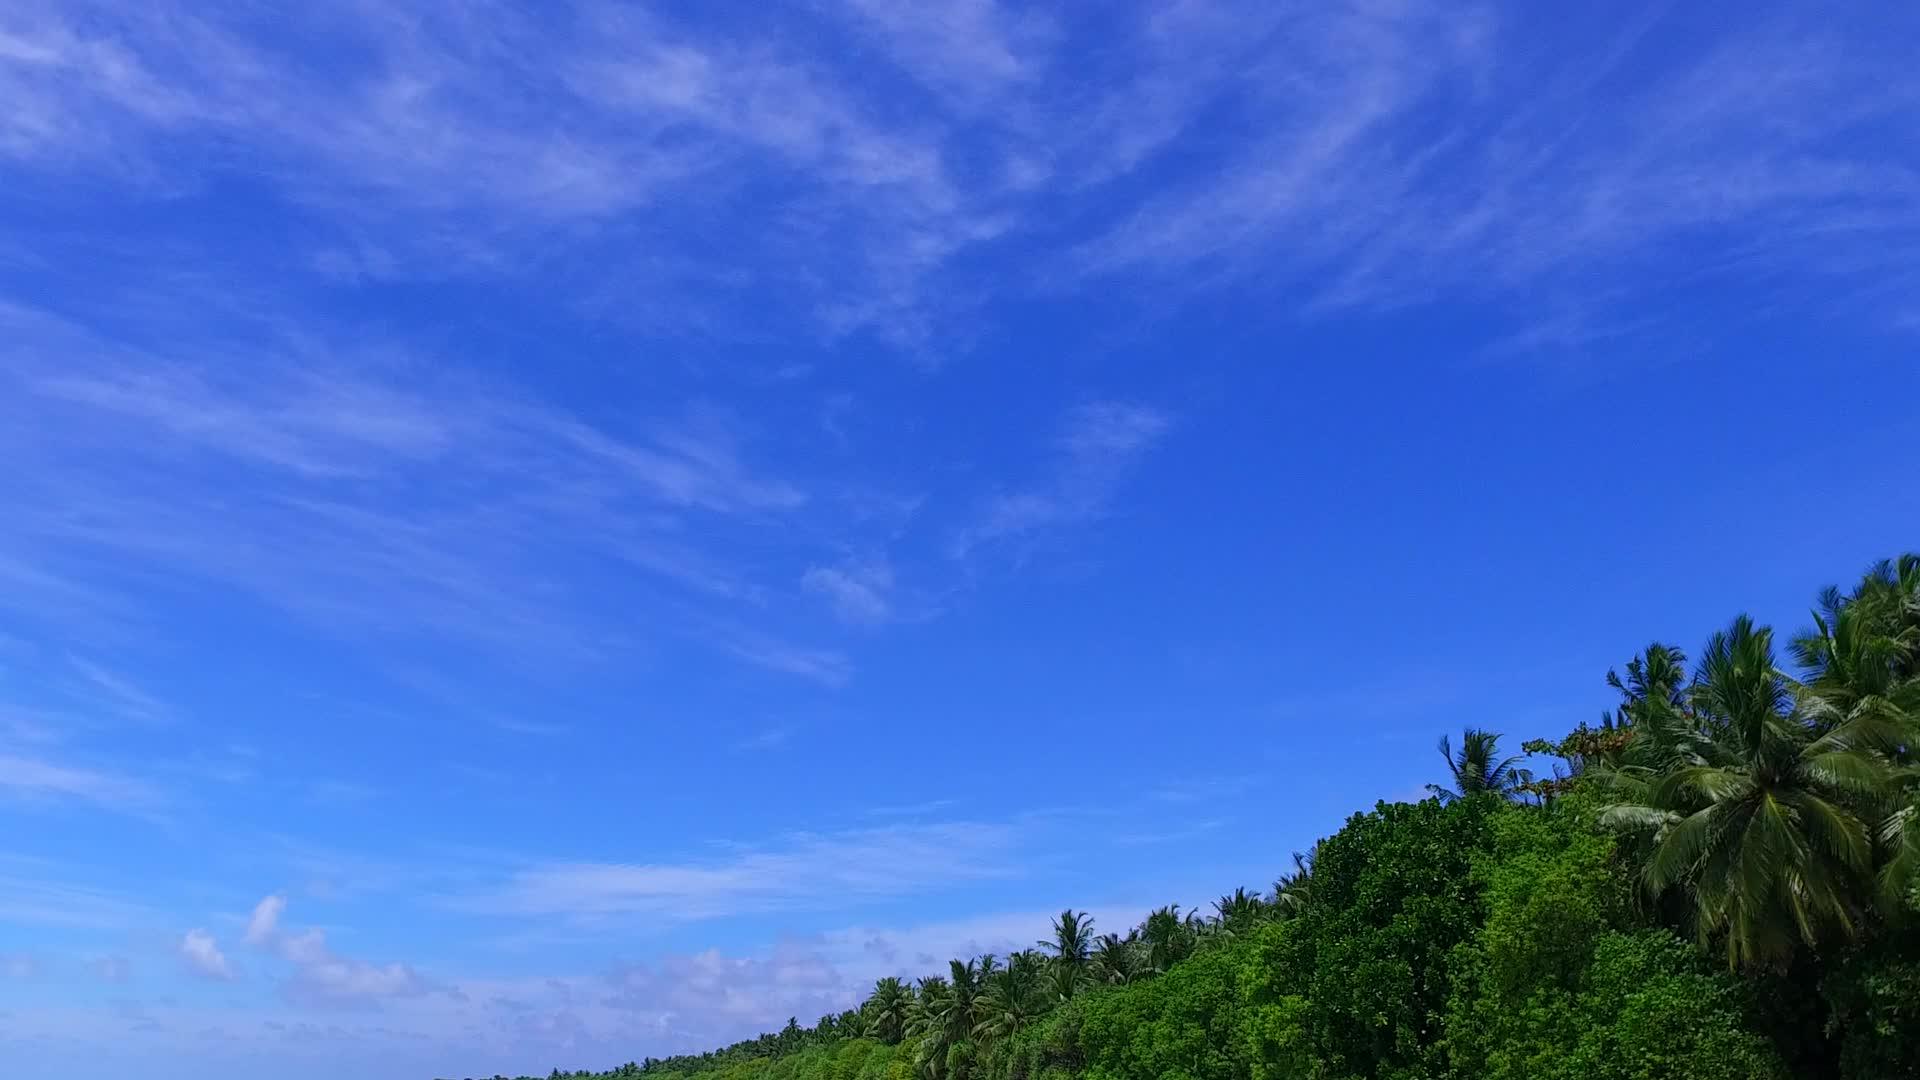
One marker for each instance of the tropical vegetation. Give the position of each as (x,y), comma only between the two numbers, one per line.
(1717,880)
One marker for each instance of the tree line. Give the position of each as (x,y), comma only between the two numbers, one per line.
(1718,879)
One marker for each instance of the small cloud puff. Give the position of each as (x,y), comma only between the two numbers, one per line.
(322,976)
(203,957)
(265,921)
(859,592)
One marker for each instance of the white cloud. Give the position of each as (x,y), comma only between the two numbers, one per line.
(203,957)
(1216,790)
(542,728)
(34,893)
(39,778)
(910,810)
(860,592)
(900,180)
(712,997)
(460,151)
(1406,153)
(1102,431)
(696,1001)
(969,50)
(799,871)
(1184,831)
(1381,154)
(711,991)
(767,739)
(525,1024)
(1099,443)
(320,975)
(263,926)
(361,498)
(828,667)
(1351,153)
(120,692)
(866,953)
(25,725)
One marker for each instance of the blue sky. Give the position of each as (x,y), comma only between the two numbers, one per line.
(538,539)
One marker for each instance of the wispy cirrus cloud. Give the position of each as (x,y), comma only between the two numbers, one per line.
(120,693)
(38,893)
(1412,153)
(796,872)
(1098,444)
(358,500)
(499,126)
(40,778)
(372,497)
(828,667)
(1398,153)
(771,738)
(859,591)
(224,390)
(966,51)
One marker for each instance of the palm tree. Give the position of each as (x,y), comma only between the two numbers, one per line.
(1862,660)
(1655,686)
(1477,768)
(965,980)
(888,1009)
(1168,938)
(1071,943)
(1860,656)
(1294,891)
(1061,982)
(1116,960)
(1748,805)
(925,1026)
(1870,637)
(944,1020)
(1011,998)
(1072,937)
(1238,910)
(1657,678)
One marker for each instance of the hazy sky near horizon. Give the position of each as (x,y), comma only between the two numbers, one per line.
(538,535)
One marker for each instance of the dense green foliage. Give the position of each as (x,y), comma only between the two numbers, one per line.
(1560,980)
(1720,881)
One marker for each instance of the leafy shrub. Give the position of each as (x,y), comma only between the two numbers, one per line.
(1357,986)
(1875,1000)
(1180,1026)
(1557,983)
